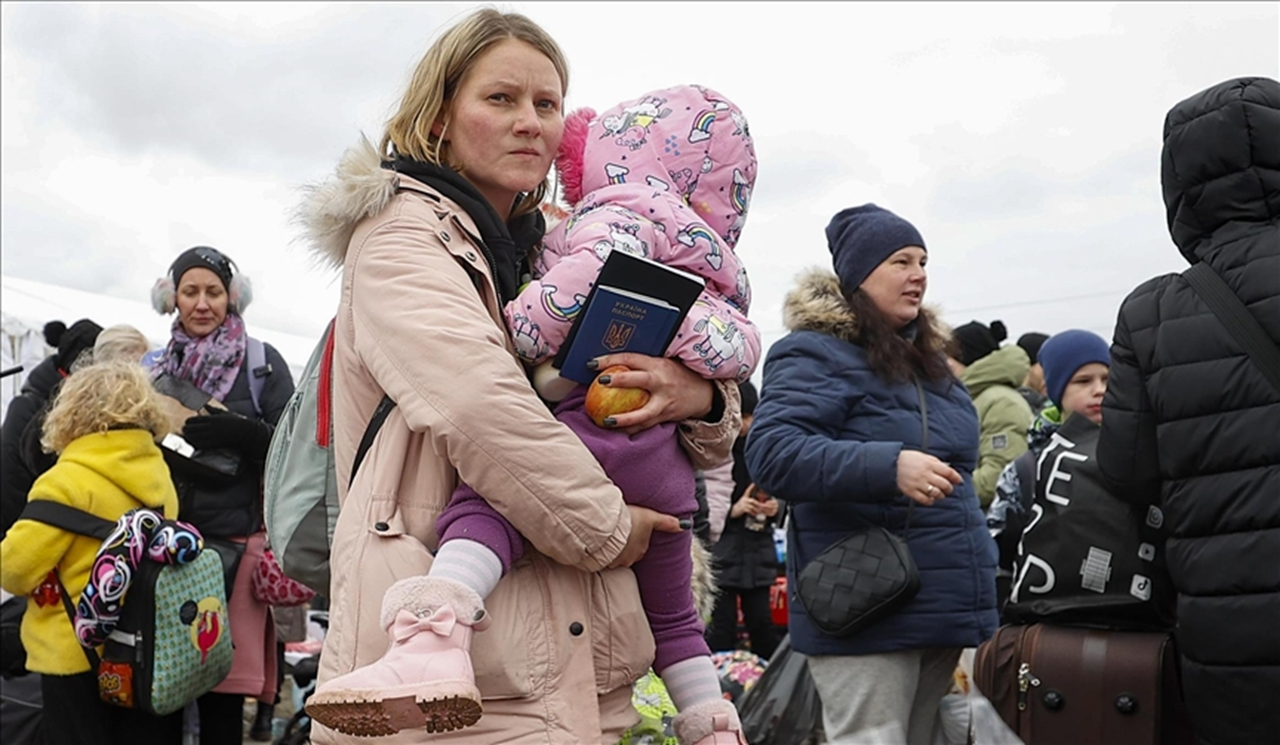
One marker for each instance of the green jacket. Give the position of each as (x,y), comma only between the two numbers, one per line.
(1003,414)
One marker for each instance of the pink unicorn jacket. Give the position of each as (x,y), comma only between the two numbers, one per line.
(667,176)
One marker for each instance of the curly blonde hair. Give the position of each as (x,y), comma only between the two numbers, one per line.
(101,397)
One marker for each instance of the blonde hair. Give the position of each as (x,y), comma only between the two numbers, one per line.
(122,343)
(436,80)
(100,397)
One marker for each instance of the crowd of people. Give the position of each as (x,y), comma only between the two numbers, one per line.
(505,566)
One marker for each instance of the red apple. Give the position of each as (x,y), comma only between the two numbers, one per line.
(605,401)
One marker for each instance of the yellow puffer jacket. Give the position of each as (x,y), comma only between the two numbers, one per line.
(106,474)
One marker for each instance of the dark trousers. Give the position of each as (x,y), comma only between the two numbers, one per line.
(221,719)
(73,714)
(722,634)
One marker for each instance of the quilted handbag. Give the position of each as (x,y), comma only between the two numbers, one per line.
(272,587)
(858,581)
(863,577)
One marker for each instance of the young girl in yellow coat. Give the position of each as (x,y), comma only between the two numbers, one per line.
(104,425)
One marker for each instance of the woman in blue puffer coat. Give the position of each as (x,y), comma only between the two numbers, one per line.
(838,434)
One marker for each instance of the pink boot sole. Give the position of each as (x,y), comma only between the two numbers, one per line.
(439,707)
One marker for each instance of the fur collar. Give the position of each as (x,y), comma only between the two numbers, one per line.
(330,209)
(816,304)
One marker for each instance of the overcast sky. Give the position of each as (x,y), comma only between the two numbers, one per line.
(1022,139)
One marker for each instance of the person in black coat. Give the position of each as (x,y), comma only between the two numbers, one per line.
(1189,424)
(20,467)
(746,560)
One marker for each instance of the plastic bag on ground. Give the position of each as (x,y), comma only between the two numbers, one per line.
(782,708)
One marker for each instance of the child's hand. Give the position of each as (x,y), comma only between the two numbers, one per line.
(676,393)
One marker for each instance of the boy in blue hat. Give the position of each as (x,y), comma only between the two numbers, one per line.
(1076,366)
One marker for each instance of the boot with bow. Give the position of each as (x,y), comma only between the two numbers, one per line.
(425,678)
(709,723)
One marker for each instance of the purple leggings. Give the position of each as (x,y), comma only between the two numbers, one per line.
(652,471)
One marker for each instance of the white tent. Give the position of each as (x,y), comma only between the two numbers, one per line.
(27,305)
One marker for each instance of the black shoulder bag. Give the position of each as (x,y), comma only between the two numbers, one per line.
(865,577)
(1240,323)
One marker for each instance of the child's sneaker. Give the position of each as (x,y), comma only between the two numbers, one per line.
(425,679)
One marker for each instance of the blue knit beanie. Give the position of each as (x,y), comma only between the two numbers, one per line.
(1067,352)
(862,237)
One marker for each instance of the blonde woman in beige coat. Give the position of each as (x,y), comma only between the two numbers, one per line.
(431,233)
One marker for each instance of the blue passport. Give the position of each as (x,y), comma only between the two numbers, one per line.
(637,305)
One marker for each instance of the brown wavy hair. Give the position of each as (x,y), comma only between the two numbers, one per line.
(891,355)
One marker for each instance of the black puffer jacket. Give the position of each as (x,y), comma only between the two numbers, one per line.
(1191,425)
(745,558)
(16,477)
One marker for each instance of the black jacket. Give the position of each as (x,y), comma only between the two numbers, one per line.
(235,509)
(16,477)
(1190,424)
(744,559)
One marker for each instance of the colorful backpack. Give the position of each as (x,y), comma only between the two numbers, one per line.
(159,602)
(300,487)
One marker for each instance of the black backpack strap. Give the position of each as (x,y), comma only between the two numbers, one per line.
(370,433)
(68,518)
(1025,466)
(1233,314)
(75,521)
(90,654)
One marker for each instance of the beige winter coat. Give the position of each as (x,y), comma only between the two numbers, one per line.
(419,319)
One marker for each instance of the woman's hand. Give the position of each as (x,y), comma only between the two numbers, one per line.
(676,393)
(226,429)
(643,522)
(924,478)
(755,503)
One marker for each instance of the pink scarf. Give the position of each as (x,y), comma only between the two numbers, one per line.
(212,362)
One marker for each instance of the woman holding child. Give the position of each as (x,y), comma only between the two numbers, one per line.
(434,231)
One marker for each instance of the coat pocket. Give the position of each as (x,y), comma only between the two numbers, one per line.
(621,642)
(512,657)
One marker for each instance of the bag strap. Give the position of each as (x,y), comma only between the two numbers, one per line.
(370,433)
(324,407)
(89,654)
(1240,323)
(75,521)
(924,447)
(1025,466)
(68,518)
(258,372)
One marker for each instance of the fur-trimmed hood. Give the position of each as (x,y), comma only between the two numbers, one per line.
(359,187)
(817,304)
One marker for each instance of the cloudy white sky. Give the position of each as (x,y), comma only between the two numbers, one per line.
(1023,139)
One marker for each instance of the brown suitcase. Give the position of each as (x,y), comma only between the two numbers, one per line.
(1055,685)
